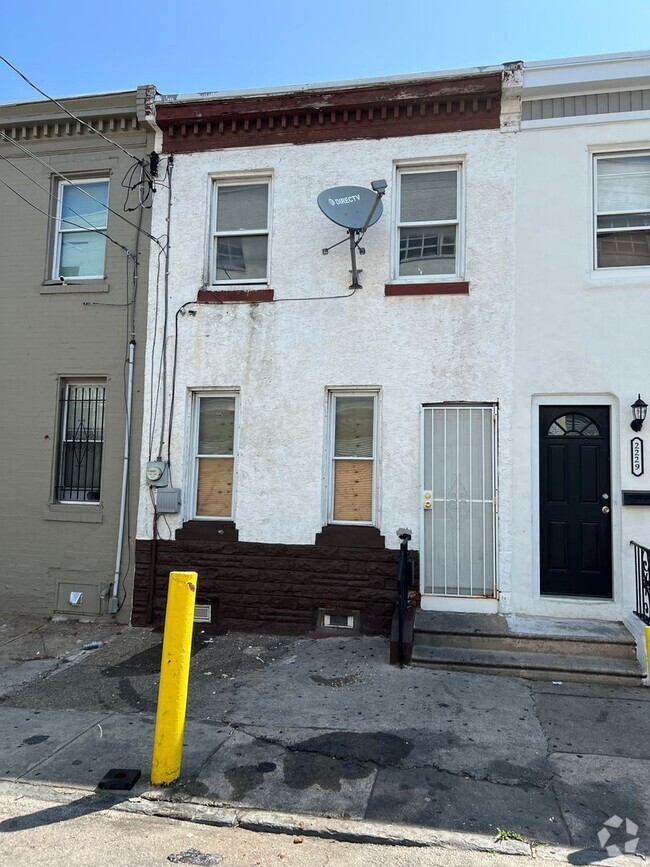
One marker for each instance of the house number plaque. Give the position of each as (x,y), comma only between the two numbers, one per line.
(637,456)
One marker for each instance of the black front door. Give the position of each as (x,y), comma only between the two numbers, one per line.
(575,504)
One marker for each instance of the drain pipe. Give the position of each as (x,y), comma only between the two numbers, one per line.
(114,602)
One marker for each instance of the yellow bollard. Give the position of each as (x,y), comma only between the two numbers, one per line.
(174,677)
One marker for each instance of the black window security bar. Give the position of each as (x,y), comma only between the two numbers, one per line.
(81,443)
(642,575)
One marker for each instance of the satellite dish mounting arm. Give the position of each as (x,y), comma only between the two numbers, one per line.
(353,199)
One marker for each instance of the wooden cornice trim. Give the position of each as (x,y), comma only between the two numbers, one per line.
(378,111)
(67,128)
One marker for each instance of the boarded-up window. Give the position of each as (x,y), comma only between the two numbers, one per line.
(353,458)
(215,456)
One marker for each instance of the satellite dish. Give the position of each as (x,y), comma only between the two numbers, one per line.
(351,207)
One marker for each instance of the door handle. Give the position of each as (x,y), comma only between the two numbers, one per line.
(605,510)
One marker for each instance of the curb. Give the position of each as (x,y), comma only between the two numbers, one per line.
(163,804)
(159,803)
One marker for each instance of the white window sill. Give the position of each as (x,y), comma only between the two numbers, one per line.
(78,513)
(55,287)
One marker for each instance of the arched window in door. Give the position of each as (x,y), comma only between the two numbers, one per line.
(573,424)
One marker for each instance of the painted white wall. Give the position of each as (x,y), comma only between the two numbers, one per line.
(284,356)
(581,337)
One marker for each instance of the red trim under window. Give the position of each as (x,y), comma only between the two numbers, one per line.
(460,287)
(218,296)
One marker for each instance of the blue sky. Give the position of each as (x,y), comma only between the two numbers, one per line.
(195,45)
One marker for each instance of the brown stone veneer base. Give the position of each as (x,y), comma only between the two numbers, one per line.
(273,588)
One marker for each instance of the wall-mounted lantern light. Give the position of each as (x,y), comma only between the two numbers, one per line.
(639,408)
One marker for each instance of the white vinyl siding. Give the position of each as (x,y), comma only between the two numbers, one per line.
(81,221)
(622,211)
(241,218)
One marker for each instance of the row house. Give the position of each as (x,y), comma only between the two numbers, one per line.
(582,241)
(75,198)
(471,383)
(303,414)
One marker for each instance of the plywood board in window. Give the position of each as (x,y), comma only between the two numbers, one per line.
(214,488)
(353,490)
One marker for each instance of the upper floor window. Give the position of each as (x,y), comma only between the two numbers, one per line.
(81,220)
(240,232)
(622,218)
(428,223)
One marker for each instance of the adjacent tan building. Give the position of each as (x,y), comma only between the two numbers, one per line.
(74,248)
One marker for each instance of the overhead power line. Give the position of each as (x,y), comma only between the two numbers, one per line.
(52,217)
(67,111)
(72,211)
(68,180)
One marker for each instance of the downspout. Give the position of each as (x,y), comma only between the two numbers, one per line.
(114,602)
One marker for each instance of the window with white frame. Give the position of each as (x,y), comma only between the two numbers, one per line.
(428,236)
(81,442)
(240,231)
(622,210)
(81,221)
(353,448)
(215,434)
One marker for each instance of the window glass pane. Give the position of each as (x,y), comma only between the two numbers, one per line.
(216,425)
(623,249)
(624,221)
(353,435)
(241,257)
(82,254)
(430,250)
(624,184)
(81,211)
(242,206)
(81,470)
(573,425)
(427,196)
(85,412)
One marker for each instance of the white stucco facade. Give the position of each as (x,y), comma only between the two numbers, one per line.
(580,333)
(283,357)
(539,327)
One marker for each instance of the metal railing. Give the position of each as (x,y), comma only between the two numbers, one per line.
(642,578)
(404,578)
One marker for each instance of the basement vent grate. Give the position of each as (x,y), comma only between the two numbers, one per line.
(330,622)
(203,613)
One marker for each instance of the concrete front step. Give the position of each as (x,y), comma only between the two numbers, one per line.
(538,666)
(524,634)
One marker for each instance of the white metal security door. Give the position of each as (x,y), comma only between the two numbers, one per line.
(459,501)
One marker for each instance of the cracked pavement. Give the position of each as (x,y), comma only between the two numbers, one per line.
(326,727)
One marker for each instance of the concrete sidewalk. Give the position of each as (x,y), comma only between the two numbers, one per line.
(326,728)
